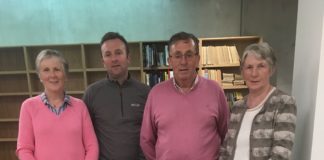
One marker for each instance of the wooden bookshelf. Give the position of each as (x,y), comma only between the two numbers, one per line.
(20,81)
(8,148)
(228,51)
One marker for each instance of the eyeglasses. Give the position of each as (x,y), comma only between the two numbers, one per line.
(187,56)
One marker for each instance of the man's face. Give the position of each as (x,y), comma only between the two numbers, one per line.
(115,58)
(184,60)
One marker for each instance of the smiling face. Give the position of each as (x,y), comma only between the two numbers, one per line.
(184,60)
(256,72)
(115,59)
(51,74)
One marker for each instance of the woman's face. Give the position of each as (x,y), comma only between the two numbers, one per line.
(52,75)
(256,73)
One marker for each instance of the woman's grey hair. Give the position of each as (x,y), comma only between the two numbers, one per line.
(261,50)
(50,53)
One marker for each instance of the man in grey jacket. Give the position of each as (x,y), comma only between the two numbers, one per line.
(116,103)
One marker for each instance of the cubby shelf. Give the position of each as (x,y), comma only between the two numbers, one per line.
(8,140)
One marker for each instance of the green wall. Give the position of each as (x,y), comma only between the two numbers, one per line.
(34,22)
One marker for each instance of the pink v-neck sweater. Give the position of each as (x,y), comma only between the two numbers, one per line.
(188,126)
(46,136)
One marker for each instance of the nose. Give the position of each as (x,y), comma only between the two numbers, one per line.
(114,57)
(52,73)
(255,72)
(183,59)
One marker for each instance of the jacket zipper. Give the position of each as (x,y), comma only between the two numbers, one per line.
(121,101)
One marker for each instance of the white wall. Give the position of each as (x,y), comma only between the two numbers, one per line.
(318,134)
(308,80)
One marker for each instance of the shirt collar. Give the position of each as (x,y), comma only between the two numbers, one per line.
(46,102)
(195,82)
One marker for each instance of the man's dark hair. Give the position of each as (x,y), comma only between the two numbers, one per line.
(114,35)
(183,36)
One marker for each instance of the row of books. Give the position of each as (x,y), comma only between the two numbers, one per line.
(233,96)
(219,55)
(155,77)
(155,55)
(225,79)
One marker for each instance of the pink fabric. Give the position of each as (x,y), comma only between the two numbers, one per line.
(184,126)
(46,136)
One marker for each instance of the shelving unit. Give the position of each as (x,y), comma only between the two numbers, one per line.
(20,81)
(228,50)
(155,62)
(13,90)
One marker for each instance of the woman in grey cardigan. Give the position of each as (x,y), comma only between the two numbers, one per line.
(262,124)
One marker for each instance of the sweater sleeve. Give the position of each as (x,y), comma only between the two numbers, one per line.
(89,137)
(26,140)
(87,99)
(223,112)
(148,131)
(284,129)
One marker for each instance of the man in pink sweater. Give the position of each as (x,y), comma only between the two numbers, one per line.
(185,117)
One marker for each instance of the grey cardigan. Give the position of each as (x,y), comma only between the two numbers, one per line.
(273,129)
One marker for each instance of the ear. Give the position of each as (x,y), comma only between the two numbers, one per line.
(198,60)
(39,78)
(170,62)
(103,63)
(272,70)
(128,58)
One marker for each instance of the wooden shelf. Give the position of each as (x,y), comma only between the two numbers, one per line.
(103,69)
(12,59)
(234,87)
(70,71)
(9,120)
(12,72)
(8,149)
(15,94)
(95,69)
(75,92)
(8,139)
(68,92)
(220,66)
(13,83)
(234,38)
(157,68)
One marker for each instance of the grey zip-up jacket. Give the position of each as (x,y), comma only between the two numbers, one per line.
(116,112)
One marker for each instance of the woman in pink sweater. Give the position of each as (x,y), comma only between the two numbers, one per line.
(53,125)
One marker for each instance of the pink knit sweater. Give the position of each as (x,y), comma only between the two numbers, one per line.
(188,126)
(46,136)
